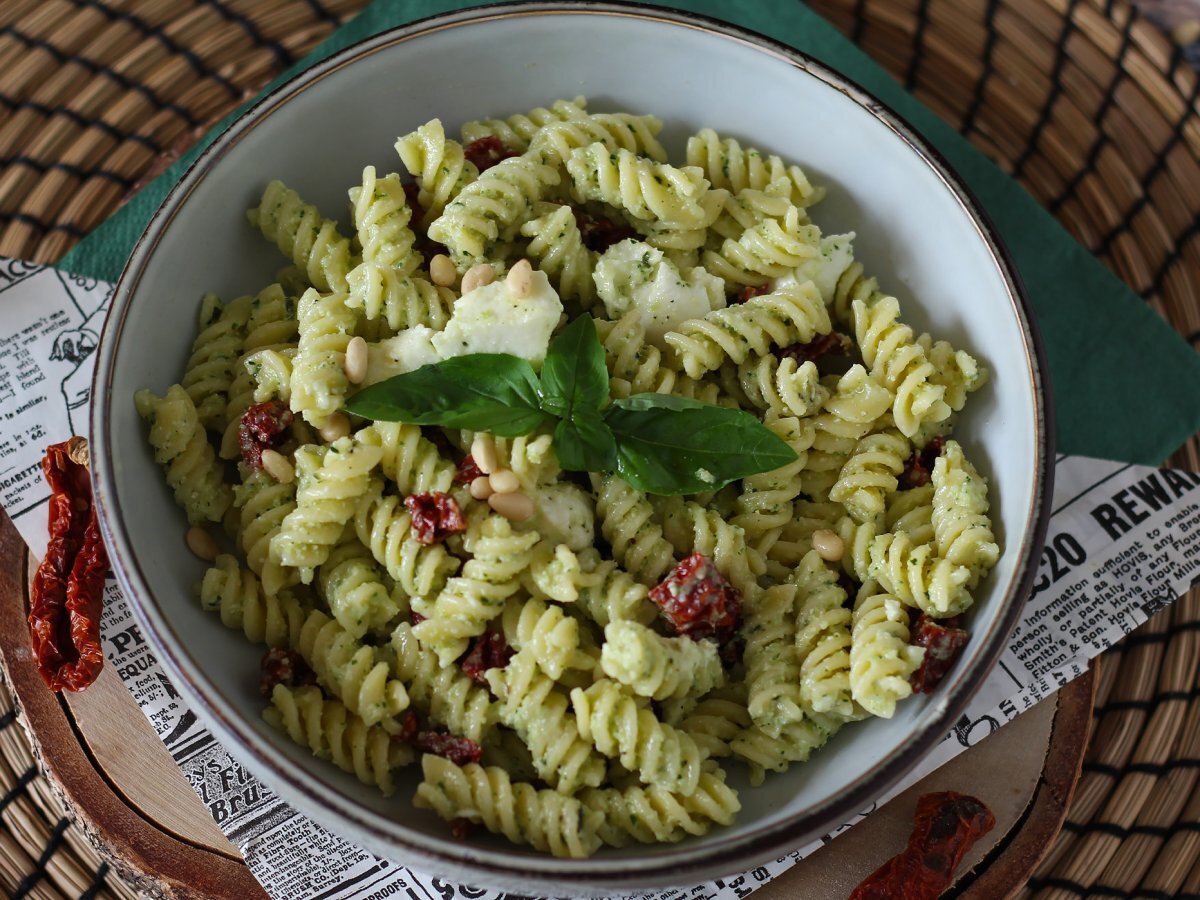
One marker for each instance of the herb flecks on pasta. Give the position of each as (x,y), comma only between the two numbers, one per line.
(638,478)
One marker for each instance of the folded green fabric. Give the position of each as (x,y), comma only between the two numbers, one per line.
(1126,386)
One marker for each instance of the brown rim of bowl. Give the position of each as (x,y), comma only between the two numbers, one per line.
(672,865)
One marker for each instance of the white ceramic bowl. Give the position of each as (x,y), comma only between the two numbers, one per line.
(918,231)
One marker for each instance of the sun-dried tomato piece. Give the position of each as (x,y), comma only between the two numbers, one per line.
(263,426)
(943,641)
(696,599)
(822,345)
(435,516)
(415,617)
(918,469)
(459,750)
(599,233)
(750,291)
(946,825)
(468,470)
(485,152)
(66,595)
(286,667)
(488,651)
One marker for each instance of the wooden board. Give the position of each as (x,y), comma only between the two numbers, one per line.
(128,795)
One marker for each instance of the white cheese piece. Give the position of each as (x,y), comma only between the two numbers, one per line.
(824,270)
(490,319)
(405,352)
(564,515)
(634,275)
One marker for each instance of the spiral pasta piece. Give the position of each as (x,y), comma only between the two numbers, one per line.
(353,587)
(855,404)
(728,165)
(613,722)
(766,250)
(915,573)
(545,820)
(532,706)
(600,589)
(304,236)
(385,527)
(334,733)
(645,189)
(556,247)
(263,503)
(401,301)
(491,208)
(627,523)
(381,216)
(271,370)
(794,314)
(469,601)
(638,367)
(767,753)
(438,164)
(881,658)
(182,449)
(871,474)
(330,481)
(899,363)
(911,511)
(212,366)
(555,142)
(768,627)
(351,671)
(658,667)
(318,384)
(857,538)
(238,597)
(442,693)
(653,814)
(553,638)
(408,458)
(960,522)
(823,640)
(518,130)
(780,387)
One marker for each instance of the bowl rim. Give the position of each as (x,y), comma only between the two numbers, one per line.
(671,865)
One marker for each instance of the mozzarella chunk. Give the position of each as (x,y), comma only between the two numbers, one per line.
(490,319)
(405,352)
(634,275)
(823,270)
(564,515)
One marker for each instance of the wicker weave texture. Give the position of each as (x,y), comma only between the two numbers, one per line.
(1085,102)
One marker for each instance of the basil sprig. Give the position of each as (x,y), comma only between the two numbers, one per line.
(659,443)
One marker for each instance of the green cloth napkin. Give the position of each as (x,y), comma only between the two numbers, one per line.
(1126,386)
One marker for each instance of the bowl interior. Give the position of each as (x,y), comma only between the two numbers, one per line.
(914,234)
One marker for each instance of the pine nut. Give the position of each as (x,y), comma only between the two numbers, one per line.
(355,363)
(828,545)
(277,466)
(520,279)
(483,451)
(336,426)
(442,271)
(505,481)
(478,276)
(516,506)
(201,543)
(481,488)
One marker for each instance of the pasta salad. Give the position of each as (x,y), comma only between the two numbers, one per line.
(575,477)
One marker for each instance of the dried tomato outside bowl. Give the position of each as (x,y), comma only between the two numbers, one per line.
(878,173)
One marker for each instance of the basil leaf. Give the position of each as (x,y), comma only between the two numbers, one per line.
(574,375)
(671,445)
(493,392)
(584,443)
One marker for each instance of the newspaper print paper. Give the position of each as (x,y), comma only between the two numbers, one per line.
(1124,541)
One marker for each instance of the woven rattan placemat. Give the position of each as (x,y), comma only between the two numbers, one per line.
(1087,103)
